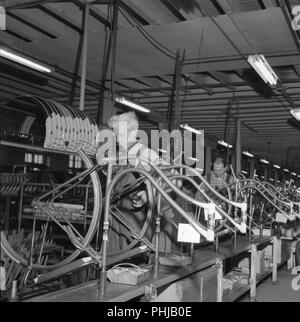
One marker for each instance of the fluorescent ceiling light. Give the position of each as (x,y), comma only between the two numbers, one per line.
(162,151)
(188,128)
(286,170)
(23,61)
(225,144)
(293,174)
(296,113)
(263,69)
(135,106)
(262,177)
(276,166)
(264,161)
(194,159)
(271,179)
(248,154)
(244,172)
(298,175)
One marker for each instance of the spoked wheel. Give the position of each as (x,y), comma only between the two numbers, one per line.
(262,210)
(56,225)
(130,227)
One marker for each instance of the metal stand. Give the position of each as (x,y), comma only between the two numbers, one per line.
(234,237)
(157,233)
(217,243)
(253,273)
(219,265)
(275,260)
(103,273)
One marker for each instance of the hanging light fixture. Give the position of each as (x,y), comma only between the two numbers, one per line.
(21,59)
(263,69)
(264,161)
(276,166)
(194,159)
(191,129)
(223,143)
(296,113)
(248,154)
(133,105)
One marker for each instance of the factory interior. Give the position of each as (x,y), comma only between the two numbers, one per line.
(150,151)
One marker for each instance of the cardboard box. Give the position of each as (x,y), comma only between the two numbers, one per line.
(268,262)
(132,275)
(240,277)
(244,263)
(228,284)
(265,232)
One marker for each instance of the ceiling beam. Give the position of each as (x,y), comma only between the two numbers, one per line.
(31,25)
(223,79)
(230,7)
(133,13)
(218,7)
(23,4)
(156,83)
(92,13)
(199,80)
(170,5)
(59,17)
(261,4)
(297,70)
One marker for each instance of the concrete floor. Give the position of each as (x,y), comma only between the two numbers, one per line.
(281,292)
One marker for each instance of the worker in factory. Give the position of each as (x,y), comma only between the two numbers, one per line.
(219,178)
(221,181)
(134,206)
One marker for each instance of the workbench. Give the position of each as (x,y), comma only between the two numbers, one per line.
(207,263)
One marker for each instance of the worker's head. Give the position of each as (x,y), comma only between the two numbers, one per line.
(219,167)
(125,126)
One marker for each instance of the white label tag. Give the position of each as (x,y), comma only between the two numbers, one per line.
(187,234)
(281,218)
(218,216)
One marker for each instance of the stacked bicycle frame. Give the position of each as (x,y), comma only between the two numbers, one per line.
(274,205)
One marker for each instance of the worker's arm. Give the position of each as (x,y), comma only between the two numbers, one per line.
(140,198)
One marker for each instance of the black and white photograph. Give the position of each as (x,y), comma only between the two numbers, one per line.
(149,154)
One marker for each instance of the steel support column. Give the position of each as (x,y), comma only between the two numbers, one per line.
(84,55)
